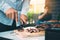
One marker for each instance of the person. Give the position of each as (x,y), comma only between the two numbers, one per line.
(13,10)
(44,16)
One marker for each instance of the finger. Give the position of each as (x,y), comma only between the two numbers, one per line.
(23,20)
(10,15)
(13,13)
(16,16)
(23,16)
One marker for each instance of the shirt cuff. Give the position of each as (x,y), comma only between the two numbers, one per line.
(5,7)
(24,12)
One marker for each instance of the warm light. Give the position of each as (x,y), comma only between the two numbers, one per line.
(37,6)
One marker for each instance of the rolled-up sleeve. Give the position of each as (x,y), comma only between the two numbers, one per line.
(25,7)
(4,6)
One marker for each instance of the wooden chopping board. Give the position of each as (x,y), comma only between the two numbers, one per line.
(27,34)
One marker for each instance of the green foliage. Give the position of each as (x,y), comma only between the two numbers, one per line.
(30,15)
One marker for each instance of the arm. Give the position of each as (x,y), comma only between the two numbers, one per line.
(7,9)
(25,7)
(42,16)
(24,11)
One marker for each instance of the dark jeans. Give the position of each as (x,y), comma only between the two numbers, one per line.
(5,27)
(12,27)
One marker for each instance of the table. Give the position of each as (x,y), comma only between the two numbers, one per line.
(12,35)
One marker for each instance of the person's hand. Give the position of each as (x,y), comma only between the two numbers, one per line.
(10,14)
(44,14)
(23,18)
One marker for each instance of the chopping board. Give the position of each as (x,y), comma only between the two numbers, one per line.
(27,34)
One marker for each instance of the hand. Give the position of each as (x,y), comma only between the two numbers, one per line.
(23,18)
(10,14)
(43,15)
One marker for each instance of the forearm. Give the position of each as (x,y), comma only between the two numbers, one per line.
(25,7)
(42,16)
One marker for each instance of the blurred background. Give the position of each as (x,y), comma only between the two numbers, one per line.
(37,7)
